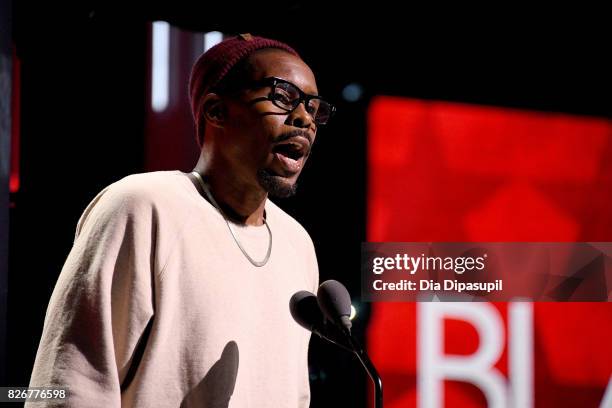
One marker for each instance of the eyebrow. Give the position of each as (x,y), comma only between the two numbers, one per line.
(300,88)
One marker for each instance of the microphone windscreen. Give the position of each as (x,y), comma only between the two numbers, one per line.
(335,302)
(305,310)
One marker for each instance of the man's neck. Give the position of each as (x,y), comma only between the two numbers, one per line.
(242,202)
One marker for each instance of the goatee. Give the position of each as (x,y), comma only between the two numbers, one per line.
(276,186)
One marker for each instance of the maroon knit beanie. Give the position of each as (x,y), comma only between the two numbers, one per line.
(212,66)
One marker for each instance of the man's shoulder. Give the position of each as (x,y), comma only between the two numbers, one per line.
(159,190)
(149,186)
(138,196)
(297,236)
(288,223)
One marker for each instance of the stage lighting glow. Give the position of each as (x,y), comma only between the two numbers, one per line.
(211,39)
(352,92)
(353,312)
(161,66)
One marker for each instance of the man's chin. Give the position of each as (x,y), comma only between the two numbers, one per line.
(276,186)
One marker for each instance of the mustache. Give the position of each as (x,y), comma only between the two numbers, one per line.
(294,133)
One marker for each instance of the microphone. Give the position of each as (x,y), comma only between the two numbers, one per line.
(335,302)
(305,311)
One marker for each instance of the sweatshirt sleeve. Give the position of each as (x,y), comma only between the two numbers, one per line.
(313,280)
(313,265)
(102,302)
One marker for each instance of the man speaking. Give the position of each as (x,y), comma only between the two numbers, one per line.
(176,290)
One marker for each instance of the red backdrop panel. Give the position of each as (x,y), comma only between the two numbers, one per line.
(453,172)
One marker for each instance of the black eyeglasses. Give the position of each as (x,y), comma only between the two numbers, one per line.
(288,97)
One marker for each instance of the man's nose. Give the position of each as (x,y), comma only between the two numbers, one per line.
(300,117)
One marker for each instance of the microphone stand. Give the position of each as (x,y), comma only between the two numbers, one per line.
(369,367)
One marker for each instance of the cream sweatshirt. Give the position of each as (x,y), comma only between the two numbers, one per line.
(156,306)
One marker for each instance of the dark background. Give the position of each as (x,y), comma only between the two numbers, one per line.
(83,98)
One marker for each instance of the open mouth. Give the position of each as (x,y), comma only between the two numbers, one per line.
(290,155)
(291,150)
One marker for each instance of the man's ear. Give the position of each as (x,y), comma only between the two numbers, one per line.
(214,110)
